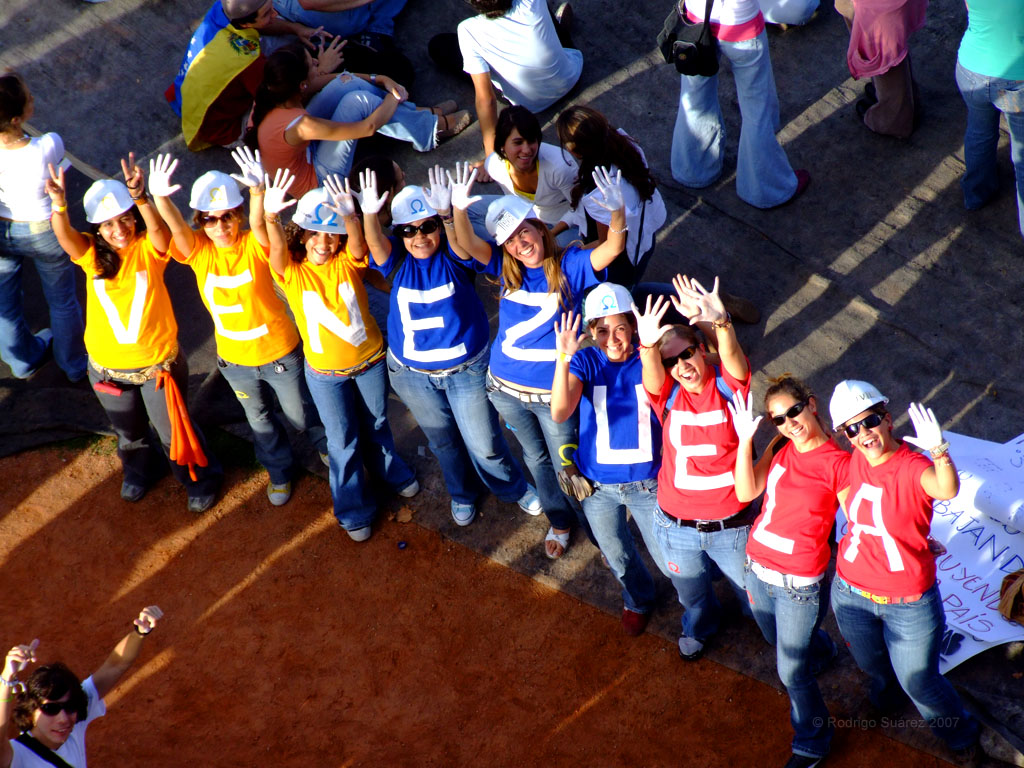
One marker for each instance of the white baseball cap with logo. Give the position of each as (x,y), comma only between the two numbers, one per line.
(313,213)
(106,199)
(852,397)
(410,205)
(215,191)
(504,216)
(607,299)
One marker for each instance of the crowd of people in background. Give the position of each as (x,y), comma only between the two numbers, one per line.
(629,401)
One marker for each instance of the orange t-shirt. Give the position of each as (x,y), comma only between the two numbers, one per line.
(277,153)
(250,323)
(330,308)
(129,321)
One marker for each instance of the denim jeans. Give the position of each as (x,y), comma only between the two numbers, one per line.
(20,240)
(377,16)
(790,619)
(690,557)
(462,429)
(898,645)
(986,97)
(132,412)
(545,442)
(764,177)
(605,510)
(252,385)
(353,99)
(353,410)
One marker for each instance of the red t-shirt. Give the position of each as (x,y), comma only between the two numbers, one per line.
(696,480)
(791,533)
(885,549)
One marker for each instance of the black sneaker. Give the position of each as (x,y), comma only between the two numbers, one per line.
(803,761)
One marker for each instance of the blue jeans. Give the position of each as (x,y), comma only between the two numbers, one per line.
(690,557)
(353,410)
(898,646)
(462,429)
(353,99)
(764,177)
(20,240)
(545,442)
(790,619)
(252,385)
(986,97)
(132,412)
(377,16)
(605,510)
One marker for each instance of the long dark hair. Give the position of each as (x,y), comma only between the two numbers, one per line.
(517,118)
(588,134)
(108,261)
(293,237)
(13,100)
(283,74)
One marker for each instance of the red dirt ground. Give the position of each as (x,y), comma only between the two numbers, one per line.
(286,644)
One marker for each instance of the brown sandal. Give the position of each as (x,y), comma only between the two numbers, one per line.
(453,124)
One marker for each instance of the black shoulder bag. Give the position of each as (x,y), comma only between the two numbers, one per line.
(691,47)
(43,752)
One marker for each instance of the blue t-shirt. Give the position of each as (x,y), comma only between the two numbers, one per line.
(436,319)
(524,349)
(620,436)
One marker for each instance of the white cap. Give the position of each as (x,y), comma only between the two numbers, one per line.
(215,191)
(852,397)
(505,215)
(607,299)
(313,214)
(106,199)
(410,205)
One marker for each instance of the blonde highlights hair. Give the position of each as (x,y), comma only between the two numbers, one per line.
(512,269)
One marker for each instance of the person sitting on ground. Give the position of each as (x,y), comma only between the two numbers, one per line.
(514,46)
(52,708)
(222,68)
(370,23)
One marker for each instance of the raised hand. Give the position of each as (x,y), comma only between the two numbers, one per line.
(133,176)
(462,183)
(19,657)
(55,186)
(160,170)
(743,421)
(273,200)
(929,432)
(567,334)
(697,303)
(440,193)
(252,168)
(648,325)
(369,200)
(330,57)
(342,201)
(148,618)
(610,188)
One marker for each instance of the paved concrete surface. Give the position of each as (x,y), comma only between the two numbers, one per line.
(876,272)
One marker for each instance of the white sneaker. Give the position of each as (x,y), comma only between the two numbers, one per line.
(463,514)
(279,494)
(529,502)
(410,490)
(360,534)
(690,648)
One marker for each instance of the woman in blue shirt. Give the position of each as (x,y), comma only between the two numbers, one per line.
(620,439)
(437,345)
(539,281)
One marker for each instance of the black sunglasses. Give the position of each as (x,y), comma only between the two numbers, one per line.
(428,227)
(209,219)
(792,413)
(686,354)
(868,422)
(53,708)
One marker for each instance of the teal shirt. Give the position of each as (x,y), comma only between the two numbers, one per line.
(993,44)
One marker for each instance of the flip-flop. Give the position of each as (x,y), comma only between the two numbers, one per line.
(561,539)
(454,124)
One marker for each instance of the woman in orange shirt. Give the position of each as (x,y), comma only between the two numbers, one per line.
(258,348)
(321,267)
(131,334)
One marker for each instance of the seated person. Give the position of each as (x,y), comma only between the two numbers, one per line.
(368,22)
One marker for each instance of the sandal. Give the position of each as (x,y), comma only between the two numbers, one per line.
(444,108)
(453,124)
(562,539)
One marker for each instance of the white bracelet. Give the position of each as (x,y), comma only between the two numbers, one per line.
(619,231)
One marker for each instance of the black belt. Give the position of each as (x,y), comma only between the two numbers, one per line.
(738,520)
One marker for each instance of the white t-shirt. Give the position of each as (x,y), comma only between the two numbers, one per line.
(728,12)
(654,216)
(23,174)
(521,51)
(556,175)
(71,751)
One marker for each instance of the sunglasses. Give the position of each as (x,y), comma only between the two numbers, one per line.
(53,708)
(208,220)
(869,422)
(686,354)
(792,413)
(428,227)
